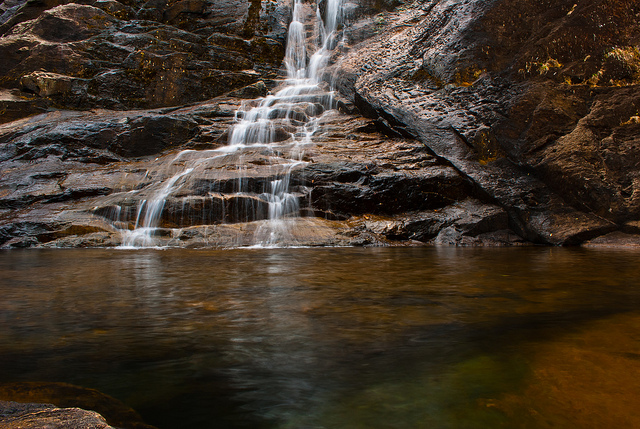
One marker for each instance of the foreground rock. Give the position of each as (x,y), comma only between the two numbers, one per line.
(30,405)
(31,416)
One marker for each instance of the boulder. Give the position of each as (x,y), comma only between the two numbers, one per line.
(32,416)
(535,108)
(464,223)
(45,84)
(31,405)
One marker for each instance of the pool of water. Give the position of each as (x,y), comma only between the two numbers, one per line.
(333,338)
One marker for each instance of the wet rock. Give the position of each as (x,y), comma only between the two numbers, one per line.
(62,405)
(469,218)
(22,234)
(106,136)
(507,98)
(464,223)
(482,126)
(192,211)
(256,90)
(387,193)
(26,416)
(59,191)
(101,54)
(615,239)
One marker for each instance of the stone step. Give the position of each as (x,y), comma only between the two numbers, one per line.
(204,210)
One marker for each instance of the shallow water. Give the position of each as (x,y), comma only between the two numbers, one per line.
(333,338)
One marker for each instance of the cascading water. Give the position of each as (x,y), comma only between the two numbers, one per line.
(152,210)
(277,127)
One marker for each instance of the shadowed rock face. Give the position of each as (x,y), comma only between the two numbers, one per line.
(461,122)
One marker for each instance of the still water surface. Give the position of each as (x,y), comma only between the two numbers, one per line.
(333,338)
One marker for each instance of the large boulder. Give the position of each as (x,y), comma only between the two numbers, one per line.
(538,108)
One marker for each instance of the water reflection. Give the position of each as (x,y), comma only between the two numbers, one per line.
(332,338)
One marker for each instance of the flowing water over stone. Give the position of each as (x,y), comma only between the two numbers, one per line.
(270,134)
(457,129)
(333,337)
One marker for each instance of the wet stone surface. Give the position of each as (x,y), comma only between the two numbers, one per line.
(349,170)
(438,104)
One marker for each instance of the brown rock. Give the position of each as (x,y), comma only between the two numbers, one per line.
(31,407)
(35,416)
(45,84)
(616,240)
(184,7)
(99,55)
(506,99)
(596,166)
(532,116)
(15,105)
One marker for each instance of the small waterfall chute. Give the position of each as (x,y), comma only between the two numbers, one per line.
(276,128)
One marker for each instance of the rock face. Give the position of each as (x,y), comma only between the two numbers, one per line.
(123,55)
(459,122)
(538,108)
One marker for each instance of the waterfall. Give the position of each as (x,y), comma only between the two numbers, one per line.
(301,90)
(149,214)
(287,118)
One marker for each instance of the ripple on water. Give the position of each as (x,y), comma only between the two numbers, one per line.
(338,338)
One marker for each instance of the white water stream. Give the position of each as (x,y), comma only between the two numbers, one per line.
(290,115)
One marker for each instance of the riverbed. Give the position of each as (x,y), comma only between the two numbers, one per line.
(336,338)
